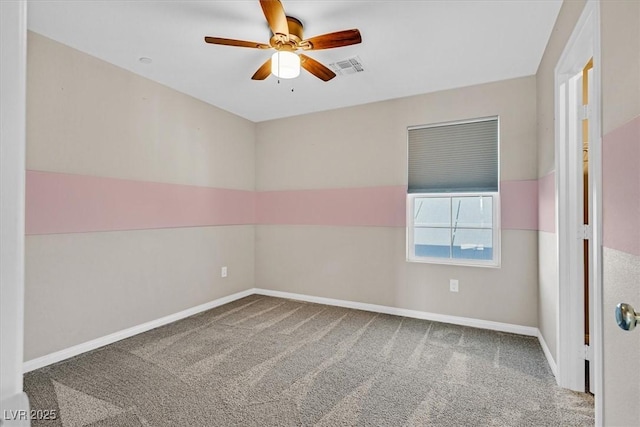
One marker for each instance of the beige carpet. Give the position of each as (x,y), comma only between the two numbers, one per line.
(263,361)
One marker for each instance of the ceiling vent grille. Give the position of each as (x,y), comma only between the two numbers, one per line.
(347,66)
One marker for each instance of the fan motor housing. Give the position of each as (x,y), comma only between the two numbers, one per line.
(295,36)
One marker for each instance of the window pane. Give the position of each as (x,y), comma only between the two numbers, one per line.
(432,242)
(473,211)
(473,244)
(432,211)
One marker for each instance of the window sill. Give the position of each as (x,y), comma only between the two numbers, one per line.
(455,262)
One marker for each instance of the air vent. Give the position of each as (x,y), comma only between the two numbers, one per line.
(347,66)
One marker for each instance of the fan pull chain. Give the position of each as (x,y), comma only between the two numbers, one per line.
(279,73)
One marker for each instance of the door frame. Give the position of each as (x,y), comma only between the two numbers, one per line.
(13,45)
(583,44)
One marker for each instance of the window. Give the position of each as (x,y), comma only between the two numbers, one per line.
(453,203)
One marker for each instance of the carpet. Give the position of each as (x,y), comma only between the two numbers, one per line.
(263,361)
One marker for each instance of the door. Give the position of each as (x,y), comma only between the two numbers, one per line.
(621,272)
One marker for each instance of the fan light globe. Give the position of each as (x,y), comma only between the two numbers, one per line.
(285,65)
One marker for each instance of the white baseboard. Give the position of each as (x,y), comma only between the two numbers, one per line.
(58,356)
(547,354)
(456,320)
(61,355)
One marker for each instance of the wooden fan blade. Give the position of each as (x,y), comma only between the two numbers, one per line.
(331,40)
(263,72)
(316,68)
(239,43)
(274,12)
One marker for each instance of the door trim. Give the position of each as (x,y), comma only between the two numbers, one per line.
(13,45)
(583,44)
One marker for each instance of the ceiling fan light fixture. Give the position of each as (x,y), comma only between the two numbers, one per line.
(285,65)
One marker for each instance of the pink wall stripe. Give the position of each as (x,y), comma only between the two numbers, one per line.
(547,203)
(380,206)
(370,206)
(621,188)
(519,205)
(63,203)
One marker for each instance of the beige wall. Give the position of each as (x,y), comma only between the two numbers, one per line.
(88,117)
(548,290)
(567,19)
(620,20)
(367,264)
(84,286)
(620,24)
(366,146)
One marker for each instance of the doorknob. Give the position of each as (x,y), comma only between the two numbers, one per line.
(626,316)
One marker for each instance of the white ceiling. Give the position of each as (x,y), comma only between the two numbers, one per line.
(408,47)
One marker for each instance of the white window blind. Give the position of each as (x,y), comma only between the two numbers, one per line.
(454,157)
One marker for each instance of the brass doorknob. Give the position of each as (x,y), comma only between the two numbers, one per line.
(626,316)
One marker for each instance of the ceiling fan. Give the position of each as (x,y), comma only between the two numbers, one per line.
(286,40)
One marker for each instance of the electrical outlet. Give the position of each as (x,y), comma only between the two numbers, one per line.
(223,272)
(453,285)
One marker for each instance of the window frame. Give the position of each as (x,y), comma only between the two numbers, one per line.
(496,230)
(497,224)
